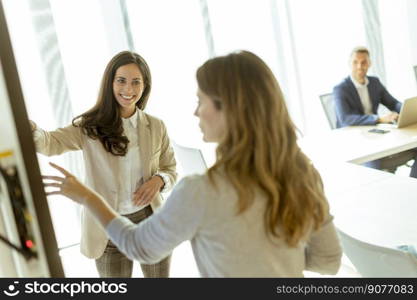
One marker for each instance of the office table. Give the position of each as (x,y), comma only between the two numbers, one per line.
(374,206)
(371,205)
(356,144)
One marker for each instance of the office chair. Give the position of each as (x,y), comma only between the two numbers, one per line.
(329,109)
(190,160)
(376,261)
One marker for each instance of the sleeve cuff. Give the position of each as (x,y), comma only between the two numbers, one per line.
(165,179)
(37,134)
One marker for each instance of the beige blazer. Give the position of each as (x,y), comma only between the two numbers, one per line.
(102,168)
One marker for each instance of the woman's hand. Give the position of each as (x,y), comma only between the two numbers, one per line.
(68,186)
(147,191)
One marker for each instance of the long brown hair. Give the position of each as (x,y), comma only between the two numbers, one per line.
(259,149)
(103,121)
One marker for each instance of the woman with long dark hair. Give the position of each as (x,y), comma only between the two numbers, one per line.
(127,155)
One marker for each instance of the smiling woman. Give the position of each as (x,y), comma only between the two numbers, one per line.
(127,156)
(128,88)
(126,75)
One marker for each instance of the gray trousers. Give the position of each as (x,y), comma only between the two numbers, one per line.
(113,263)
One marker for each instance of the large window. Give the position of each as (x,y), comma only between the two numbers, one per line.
(170,36)
(324,32)
(397,46)
(60,64)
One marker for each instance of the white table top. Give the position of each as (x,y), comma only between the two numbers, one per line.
(371,205)
(356,144)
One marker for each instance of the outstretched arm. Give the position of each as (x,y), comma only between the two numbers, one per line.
(71,187)
(58,141)
(151,240)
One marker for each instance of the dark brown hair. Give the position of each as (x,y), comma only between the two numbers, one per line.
(103,121)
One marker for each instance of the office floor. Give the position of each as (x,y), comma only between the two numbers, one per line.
(77,265)
(182,265)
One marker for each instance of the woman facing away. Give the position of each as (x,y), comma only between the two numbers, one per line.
(127,155)
(259,211)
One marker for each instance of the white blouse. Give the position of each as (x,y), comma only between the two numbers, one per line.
(131,167)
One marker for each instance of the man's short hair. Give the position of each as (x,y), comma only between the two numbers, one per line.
(359,49)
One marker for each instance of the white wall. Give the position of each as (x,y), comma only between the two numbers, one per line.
(412,24)
(398,50)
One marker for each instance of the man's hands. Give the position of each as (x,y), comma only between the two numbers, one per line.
(388,118)
(147,191)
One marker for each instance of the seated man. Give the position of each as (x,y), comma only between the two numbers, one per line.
(357,99)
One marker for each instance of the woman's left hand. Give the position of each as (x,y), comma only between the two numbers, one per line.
(147,191)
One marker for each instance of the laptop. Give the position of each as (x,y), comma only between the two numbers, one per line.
(408,113)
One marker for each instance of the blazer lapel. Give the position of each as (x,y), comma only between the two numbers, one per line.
(356,99)
(372,96)
(144,140)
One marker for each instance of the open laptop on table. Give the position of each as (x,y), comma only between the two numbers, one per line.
(408,113)
(408,116)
